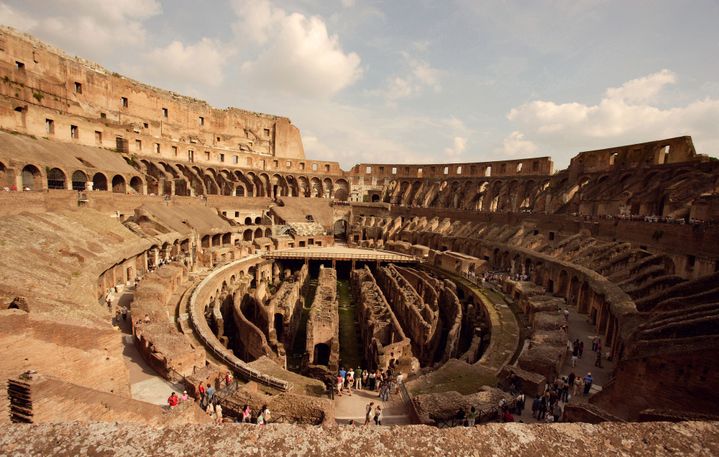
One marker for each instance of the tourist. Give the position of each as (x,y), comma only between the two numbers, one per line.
(392,360)
(570,384)
(343,374)
(587,383)
(472,416)
(210,391)
(371,380)
(263,416)
(365,378)
(594,343)
(507,416)
(519,403)
(358,378)
(369,415)
(535,407)
(184,397)
(340,382)
(173,400)
(349,380)
(566,315)
(557,412)
(218,413)
(598,359)
(581,348)
(228,379)
(201,393)
(578,386)
(210,410)
(574,360)
(378,415)
(564,391)
(246,414)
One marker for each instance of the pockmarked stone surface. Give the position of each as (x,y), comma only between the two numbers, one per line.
(609,439)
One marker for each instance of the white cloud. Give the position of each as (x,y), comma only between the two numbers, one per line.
(642,89)
(419,75)
(515,145)
(459,144)
(181,64)
(297,54)
(625,115)
(86,27)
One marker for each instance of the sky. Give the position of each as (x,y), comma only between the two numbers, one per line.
(418,81)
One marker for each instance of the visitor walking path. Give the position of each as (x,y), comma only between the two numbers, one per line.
(145,384)
(394,411)
(340,253)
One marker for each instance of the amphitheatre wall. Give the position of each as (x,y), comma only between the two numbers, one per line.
(382,333)
(323,322)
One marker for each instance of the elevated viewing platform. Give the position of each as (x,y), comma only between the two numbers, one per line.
(341,253)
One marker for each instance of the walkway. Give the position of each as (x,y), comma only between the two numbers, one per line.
(145,384)
(340,253)
(584,331)
(347,407)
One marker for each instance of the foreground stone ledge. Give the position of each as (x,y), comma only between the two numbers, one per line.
(537,440)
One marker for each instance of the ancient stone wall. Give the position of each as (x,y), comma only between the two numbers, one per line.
(164,348)
(419,320)
(323,322)
(382,334)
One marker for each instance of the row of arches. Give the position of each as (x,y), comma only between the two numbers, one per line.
(501,194)
(183,179)
(35,179)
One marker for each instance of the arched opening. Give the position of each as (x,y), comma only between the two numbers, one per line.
(31,178)
(258,220)
(136,184)
(226,239)
(99,182)
(79,180)
(375,198)
(340,229)
(321,354)
(258,233)
(268,232)
(248,221)
(118,184)
(279,326)
(55,179)
(247,235)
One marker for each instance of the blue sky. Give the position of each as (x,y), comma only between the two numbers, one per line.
(418,81)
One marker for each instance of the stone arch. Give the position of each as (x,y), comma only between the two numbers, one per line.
(247,235)
(136,184)
(562,284)
(210,184)
(79,180)
(327,188)
(315,187)
(31,177)
(248,220)
(264,178)
(99,181)
(268,232)
(279,186)
(304,187)
(118,184)
(342,190)
(583,298)
(258,233)
(56,179)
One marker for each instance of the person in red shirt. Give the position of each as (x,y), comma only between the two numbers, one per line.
(173,400)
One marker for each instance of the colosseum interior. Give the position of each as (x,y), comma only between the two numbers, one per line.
(234,253)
